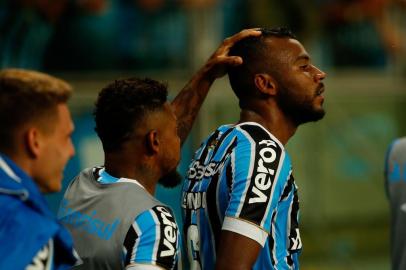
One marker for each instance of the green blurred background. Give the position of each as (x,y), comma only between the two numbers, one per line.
(338,162)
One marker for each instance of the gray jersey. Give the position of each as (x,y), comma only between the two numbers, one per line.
(115,223)
(395,177)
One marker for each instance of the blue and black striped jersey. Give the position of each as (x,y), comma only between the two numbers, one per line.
(241,180)
(153,239)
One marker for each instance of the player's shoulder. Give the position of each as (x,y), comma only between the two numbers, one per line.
(216,134)
(84,175)
(158,238)
(158,216)
(255,132)
(158,213)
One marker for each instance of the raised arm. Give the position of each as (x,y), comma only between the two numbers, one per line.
(189,100)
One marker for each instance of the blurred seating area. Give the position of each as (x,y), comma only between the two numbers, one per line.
(167,34)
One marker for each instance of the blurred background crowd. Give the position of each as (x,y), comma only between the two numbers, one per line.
(338,162)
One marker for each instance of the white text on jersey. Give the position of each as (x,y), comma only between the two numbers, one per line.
(263,179)
(170,233)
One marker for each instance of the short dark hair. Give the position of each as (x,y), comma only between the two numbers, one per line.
(122,104)
(254,53)
(25,96)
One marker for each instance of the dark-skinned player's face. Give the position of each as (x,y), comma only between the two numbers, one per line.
(300,87)
(170,148)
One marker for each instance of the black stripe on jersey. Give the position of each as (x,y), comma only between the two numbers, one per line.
(167,247)
(289,260)
(229,176)
(295,243)
(212,209)
(187,221)
(266,162)
(129,243)
(212,194)
(96,172)
(288,188)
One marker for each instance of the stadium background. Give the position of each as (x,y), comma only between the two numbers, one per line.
(338,162)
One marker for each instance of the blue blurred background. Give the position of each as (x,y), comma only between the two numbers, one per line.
(338,162)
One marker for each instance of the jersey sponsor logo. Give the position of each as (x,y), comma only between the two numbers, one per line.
(264,174)
(193,247)
(295,241)
(197,171)
(194,200)
(88,223)
(170,232)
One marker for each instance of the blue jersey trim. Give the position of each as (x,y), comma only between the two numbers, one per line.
(145,225)
(106,178)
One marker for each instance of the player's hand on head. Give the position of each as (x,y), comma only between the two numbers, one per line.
(216,65)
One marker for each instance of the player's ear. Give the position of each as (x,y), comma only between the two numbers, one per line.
(33,142)
(265,83)
(152,142)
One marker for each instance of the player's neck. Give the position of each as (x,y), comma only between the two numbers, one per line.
(120,166)
(271,118)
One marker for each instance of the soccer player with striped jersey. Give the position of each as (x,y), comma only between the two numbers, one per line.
(114,219)
(240,201)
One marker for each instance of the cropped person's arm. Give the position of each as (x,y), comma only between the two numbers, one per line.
(145,249)
(236,252)
(189,100)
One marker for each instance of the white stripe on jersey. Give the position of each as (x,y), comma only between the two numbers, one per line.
(273,229)
(288,226)
(51,255)
(157,236)
(250,170)
(139,266)
(245,228)
(132,181)
(137,241)
(275,183)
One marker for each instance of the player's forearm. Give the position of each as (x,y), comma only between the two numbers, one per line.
(188,102)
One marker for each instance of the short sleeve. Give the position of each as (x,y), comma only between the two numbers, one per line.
(152,241)
(260,170)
